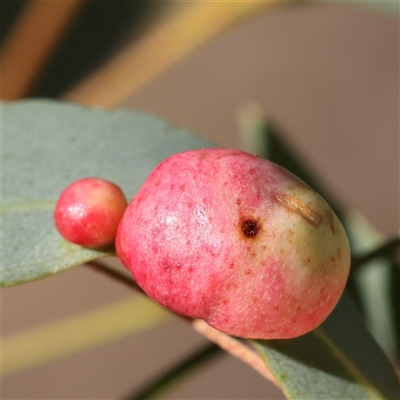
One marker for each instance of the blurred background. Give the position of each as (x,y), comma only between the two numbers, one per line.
(327,74)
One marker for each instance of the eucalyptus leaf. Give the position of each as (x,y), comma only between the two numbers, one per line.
(338,360)
(49,144)
(373,280)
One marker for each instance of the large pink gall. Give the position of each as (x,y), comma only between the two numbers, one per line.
(236,240)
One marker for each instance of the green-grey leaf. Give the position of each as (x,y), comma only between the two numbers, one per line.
(338,360)
(46,146)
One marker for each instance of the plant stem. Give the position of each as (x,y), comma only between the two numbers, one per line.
(383,250)
(114,274)
(230,344)
(235,347)
(160,383)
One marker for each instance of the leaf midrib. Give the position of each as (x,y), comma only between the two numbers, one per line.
(28,205)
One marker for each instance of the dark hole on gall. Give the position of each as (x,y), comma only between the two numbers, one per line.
(250,228)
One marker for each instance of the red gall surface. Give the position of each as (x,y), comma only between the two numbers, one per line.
(88,212)
(236,240)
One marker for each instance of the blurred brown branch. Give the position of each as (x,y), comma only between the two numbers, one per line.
(234,347)
(30,43)
(183,29)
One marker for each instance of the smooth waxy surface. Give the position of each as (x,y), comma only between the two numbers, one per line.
(236,240)
(88,212)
